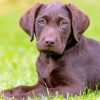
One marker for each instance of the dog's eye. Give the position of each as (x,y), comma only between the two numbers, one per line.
(63,23)
(42,21)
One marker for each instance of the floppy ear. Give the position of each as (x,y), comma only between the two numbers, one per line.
(80,21)
(27,20)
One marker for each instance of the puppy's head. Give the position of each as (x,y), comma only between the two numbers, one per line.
(55,25)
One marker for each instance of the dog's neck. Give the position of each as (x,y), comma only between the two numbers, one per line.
(71,42)
(78,46)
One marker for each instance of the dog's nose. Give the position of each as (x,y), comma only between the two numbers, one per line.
(49,41)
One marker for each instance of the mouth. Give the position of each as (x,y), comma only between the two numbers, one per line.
(50,50)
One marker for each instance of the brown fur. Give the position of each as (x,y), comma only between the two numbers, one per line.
(68,61)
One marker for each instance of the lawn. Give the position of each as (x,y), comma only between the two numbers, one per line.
(18,55)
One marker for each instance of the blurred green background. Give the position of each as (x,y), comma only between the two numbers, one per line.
(17,54)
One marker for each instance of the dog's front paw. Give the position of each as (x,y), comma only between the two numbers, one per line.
(6,94)
(9,93)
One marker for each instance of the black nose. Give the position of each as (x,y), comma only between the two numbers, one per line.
(49,41)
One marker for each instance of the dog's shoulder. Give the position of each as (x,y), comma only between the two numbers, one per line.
(93,43)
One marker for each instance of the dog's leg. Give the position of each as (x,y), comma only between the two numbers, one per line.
(43,91)
(23,92)
(18,90)
(38,92)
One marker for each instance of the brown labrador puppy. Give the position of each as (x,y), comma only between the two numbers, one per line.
(68,61)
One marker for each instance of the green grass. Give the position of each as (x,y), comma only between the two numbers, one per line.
(18,55)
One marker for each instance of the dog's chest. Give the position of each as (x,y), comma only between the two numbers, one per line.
(50,71)
(45,66)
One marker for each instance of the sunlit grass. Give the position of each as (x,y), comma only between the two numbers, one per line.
(18,55)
